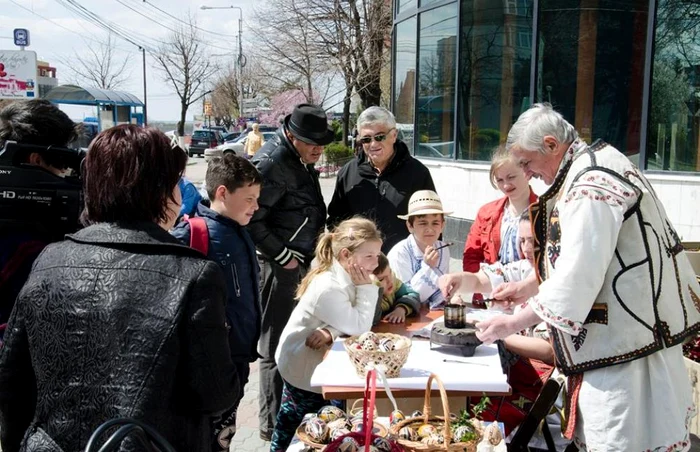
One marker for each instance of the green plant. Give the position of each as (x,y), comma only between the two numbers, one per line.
(465,420)
(487,138)
(338,154)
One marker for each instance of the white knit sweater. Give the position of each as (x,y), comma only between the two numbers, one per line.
(331,301)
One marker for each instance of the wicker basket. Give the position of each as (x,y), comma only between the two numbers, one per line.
(428,418)
(392,361)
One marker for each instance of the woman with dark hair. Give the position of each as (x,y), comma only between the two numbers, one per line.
(118,320)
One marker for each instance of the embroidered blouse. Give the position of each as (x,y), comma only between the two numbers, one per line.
(509,237)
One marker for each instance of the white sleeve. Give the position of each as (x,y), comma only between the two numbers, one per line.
(334,308)
(590,218)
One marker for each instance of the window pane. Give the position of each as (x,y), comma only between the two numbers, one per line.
(494,63)
(405,5)
(674,115)
(436,84)
(592,55)
(405,80)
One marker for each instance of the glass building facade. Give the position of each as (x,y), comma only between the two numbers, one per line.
(625,71)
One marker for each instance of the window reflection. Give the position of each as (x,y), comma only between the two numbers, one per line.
(674,110)
(592,54)
(405,79)
(495,54)
(404,5)
(436,85)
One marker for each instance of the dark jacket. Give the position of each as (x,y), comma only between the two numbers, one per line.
(231,247)
(116,321)
(292,211)
(359,190)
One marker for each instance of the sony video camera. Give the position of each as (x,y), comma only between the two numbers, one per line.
(33,197)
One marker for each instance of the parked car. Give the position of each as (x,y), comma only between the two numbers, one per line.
(231,136)
(203,139)
(236,147)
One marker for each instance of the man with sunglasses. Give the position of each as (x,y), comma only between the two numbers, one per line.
(380,180)
(35,122)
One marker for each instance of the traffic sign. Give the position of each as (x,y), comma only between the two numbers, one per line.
(207,108)
(21,37)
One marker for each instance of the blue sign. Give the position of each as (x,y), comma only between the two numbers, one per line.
(21,37)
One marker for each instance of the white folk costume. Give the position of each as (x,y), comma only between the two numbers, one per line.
(620,297)
(406,260)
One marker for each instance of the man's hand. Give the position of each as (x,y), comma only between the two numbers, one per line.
(431,256)
(398,315)
(291,265)
(449,284)
(359,275)
(517,292)
(495,328)
(318,339)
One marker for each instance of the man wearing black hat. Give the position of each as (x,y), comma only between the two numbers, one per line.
(292,214)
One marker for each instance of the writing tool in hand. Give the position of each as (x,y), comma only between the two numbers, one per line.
(443,246)
(463,362)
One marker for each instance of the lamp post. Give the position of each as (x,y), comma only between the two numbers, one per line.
(240,51)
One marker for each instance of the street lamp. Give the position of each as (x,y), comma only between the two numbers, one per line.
(240,51)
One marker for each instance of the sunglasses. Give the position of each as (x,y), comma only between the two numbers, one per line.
(378,138)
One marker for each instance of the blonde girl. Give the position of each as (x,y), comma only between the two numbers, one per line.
(336,297)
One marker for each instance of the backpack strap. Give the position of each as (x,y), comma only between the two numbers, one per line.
(199,234)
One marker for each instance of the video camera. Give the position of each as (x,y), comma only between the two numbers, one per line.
(33,197)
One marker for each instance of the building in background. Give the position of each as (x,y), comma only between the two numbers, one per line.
(46,77)
(624,71)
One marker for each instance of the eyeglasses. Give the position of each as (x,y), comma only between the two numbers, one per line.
(378,138)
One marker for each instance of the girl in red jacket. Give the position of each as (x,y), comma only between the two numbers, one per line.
(494,235)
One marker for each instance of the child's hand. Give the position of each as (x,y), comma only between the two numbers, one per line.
(319,339)
(359,275)
(398,315)
(431,256)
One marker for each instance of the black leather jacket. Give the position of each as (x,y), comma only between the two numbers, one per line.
(116,321)
(292,211)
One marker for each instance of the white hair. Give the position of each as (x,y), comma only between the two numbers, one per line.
(373,116)
(528,132)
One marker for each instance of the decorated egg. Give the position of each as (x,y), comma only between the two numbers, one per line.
(356,419)
(396,416)
(401,343)
(368,336)
(459,432)
(348,444)
(408,434)
(308,417)
(336,433)
(386,344)
(433,440)
(417,413)
(493,433)
(369,345)
(360,427)
(339,423)
(426,430)
(330,413)
(382,444)
(317,430)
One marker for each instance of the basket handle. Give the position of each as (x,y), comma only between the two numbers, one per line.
(445,406)
(368,407)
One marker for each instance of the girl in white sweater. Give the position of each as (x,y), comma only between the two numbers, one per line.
(336,297)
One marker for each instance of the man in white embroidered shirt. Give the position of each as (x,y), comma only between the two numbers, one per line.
(613,284)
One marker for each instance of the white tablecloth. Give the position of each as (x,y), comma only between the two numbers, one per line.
(481,372)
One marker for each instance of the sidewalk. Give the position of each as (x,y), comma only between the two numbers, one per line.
(247,437)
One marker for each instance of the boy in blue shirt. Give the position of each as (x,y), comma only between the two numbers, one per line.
(233,185)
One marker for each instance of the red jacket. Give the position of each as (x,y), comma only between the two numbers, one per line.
(484,239)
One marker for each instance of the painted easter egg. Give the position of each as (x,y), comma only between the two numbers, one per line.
(317,430)
(386,344)
(408,434)
(459,432)
(382,444)
(368,336)
(360,427)
(339,423)
(369,345)
(426,430)
(401,343)
(433,440)
(348,444)
(396,416)
(493,434)
(330,413)
(336,433)
(417,413)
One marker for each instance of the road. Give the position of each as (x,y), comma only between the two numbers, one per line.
(197,170)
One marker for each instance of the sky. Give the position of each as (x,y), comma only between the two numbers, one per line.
(57,34)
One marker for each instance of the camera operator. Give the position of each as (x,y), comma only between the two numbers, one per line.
(40,123)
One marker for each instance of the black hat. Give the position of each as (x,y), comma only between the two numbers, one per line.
(309,124)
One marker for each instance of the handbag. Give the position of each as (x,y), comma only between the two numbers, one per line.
(144,434)
(365,438)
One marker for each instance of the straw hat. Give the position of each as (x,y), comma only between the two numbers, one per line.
(424,202)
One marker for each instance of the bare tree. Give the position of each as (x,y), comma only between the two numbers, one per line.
(185,65)
(224,97)
(100,67)
(293,59)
